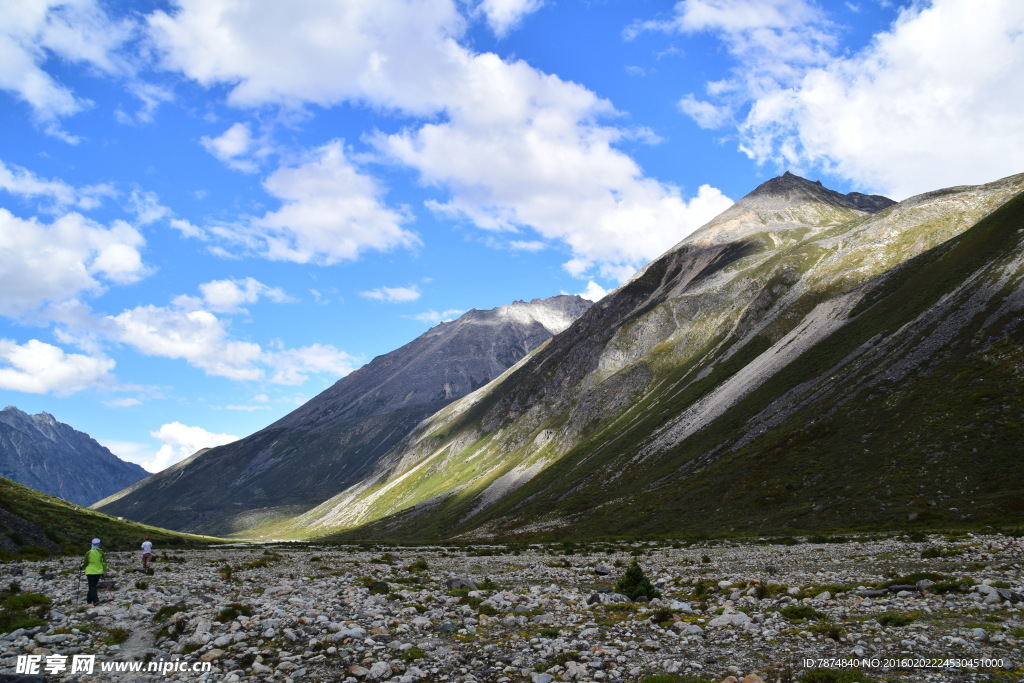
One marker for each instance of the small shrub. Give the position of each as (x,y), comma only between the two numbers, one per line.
(418,565)
(634,583)
(142,584)
(548,632)
(165,612)
(116,635)
(801,613)
(232,612)
(829,630)
(412,654)
(894,619)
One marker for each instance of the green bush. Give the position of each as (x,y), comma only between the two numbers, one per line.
(801,613)
(165,612)
(894,619)
(634,583)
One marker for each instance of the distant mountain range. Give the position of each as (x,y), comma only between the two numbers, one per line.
(337,438)
(52,457)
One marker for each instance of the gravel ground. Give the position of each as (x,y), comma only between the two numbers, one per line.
(756,611)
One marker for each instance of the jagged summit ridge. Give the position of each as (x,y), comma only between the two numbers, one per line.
(42,453)
(790,189)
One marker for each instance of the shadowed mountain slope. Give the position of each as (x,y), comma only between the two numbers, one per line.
(337,438)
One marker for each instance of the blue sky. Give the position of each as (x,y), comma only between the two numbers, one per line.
(210,210)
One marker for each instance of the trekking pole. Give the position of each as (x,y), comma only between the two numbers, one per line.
(78,589)
(106,584)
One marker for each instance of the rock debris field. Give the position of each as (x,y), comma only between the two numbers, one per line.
(922,608)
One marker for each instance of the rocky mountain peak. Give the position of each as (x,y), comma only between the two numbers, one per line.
(790,189)
(50,456)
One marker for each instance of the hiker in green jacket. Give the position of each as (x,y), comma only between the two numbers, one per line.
(95,566)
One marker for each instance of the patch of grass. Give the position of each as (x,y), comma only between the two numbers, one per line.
(801,613)
(418,565)
(232,612)
(22,610)
(116,636)
(829,630)
(412,654)
(165,612)
(894,619)
(673,678)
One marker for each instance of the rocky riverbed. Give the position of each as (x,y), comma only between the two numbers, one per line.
(935,608)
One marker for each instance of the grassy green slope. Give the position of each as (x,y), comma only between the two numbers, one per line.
(670,345)
(31,518)
(942,446)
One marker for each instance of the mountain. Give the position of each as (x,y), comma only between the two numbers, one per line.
(337,438)
(52,457)
(806,360)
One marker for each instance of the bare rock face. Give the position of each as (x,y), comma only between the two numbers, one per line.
(49,456)
(337,437)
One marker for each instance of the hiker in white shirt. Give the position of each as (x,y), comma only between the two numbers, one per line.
(147,552)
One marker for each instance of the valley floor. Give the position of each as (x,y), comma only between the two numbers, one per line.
(934,608)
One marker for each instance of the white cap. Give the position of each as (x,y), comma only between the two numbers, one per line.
(95,542)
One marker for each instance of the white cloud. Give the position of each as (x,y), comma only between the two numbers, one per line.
(390,52)
(393,294)
(513,148)
(72,256)
(76,31)
(233,147)
(181,441)
(505,15)
(331,212)
(123,402)
(204,341)
(39,368)
(433,317)
(198,337)
(295,366)
(228,296)
(523,149)
(593,292)
(934,101)
(23,183)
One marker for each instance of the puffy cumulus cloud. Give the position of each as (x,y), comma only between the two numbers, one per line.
(56,262)
(77,31)
(331,212)
(39,368)
(295,366)
(504,15)
(233,147)
(390,52)
(229,296)
(525,149)
(393,294)
(196,336)
(180,441)
(511,147)
(593,292)
(933,101)
(204,341)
